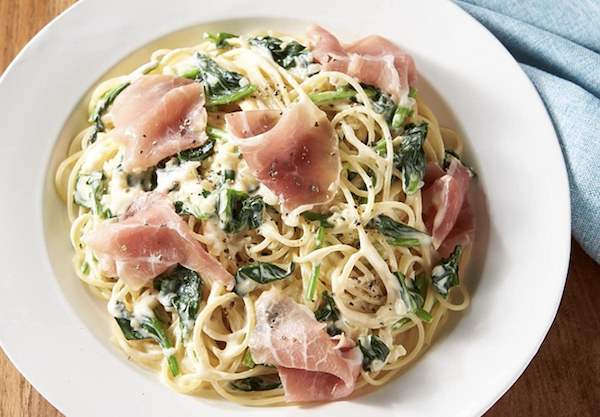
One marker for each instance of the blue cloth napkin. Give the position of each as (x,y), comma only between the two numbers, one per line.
(557,43)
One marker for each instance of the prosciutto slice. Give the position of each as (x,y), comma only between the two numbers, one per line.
(293,152)
(372,60)
(149,239)
(156,117)
(445,203)
(312,365)
(376,46)
(461,233)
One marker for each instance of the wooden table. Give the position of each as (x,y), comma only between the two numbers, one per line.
(562,380)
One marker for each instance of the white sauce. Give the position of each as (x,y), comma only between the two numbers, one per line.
(183,178)
(120,195)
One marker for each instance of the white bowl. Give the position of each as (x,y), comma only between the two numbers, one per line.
(57,333)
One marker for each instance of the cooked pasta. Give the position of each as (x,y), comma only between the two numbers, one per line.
(335,254)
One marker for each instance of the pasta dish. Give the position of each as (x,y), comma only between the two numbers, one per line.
(271,218)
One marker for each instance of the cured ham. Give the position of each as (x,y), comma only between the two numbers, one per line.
(156,117)
(312,365)
(462,232)
(444,203)
(372,60)
(376,46)
(327,50)
(149,239)
(293,152)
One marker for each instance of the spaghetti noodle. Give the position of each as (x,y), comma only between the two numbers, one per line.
(340,256)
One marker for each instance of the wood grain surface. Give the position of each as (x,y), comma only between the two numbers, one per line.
(562,380)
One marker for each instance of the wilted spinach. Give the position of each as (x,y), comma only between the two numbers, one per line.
(314,275)
(101,107)
(329,313)
(220,39)
(399,234)
(237,211)
(449,154)
(149,328)
(412,297)
(374,351)
(290,56)
(340,93)
(255,383)
(146,180)
(89,189)
(318,217)
(199,154)
(410,158)
(181,288)
(381,101)
(445,275)
(248,277)
(220,85)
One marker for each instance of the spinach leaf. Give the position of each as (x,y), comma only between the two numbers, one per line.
(248,361)
(248,277)
(89,189)
(219,39)
(200,153)
(228,175)
(187,208)
(409,293)
(400,115)
(374,351)
(329,311)
(314,275)
(410,159)
(179,209)
(340,93)
(148,328)
(255,383)
(380,147)
(445,275)
(146,180)
(449,154)
(399,234)
(381,101)
(251,213)
(238,211)
(412,297)
(181,288)
(216,133)
(400,323)
(330,314)
(322,218)
(220,85)
(101,106)
(290,56)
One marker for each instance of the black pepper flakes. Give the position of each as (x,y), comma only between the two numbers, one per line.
(272,172)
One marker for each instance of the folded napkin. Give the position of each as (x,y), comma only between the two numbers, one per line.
(557,43)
